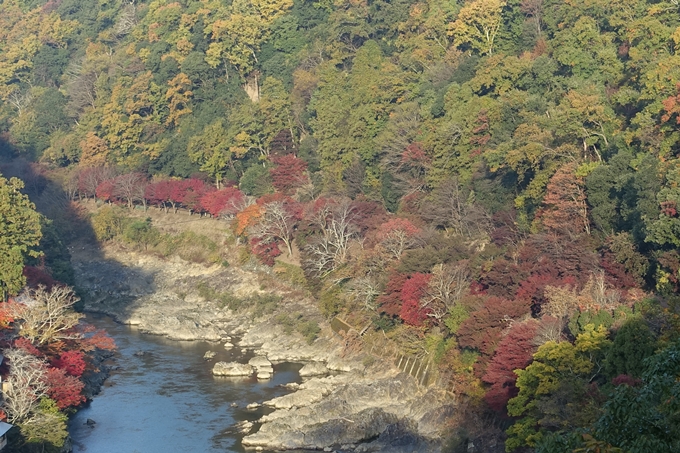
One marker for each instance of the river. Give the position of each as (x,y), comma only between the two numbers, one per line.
(163,398)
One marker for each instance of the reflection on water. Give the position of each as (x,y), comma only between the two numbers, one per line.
(164,399)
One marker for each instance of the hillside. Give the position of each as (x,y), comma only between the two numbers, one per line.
(489,184)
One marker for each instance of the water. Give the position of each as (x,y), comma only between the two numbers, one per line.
(167,400)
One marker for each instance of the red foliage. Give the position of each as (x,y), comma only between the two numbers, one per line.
(390,301)
(65,390)
(94,339)
(503,278)
(158,193)
(564,207)
(73,362)
(27,346)
(411,292)
(624,379)
(225,201)
(288,173)
(532,289)
(266,251)
(367,214)
(194,190)
(396,225)
(90,178)
(38,276)
(615,273)
(514,352)
(106,189)
(482,330)
(671,106)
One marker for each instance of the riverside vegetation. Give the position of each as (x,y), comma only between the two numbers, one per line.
(488,184)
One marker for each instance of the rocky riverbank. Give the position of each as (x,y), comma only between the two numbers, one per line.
(357,408)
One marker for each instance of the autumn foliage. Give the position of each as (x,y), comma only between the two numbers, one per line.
(514,352)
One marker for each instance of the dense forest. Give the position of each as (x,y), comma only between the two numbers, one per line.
(493,184)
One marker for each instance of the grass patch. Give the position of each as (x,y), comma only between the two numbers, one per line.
(308,329)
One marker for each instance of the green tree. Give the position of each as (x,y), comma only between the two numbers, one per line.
(552,390)
(19,233)
(477,25)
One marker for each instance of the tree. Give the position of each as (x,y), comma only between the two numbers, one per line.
(64,389)
(447,286)
(130,187)
(226,202)
(20,231)
(559,370)
(514,352)
(452,207)
(289,173)
(396,236)
(277,223)
(72,362)
(413,289)
(211,150)
(48,316)
(564,207)
(477,25)
(335,226)
(27,385)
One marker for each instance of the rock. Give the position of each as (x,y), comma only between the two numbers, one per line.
(228,345)
(209,355)
(300,398)
(232,369)
(90,422)
(260,362)
(141,353)
(253,406)
(313,369)
(234,404)
(263,375)
(328,449)
(362,426)
(244,427)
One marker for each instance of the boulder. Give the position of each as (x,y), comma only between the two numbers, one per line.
(263,375)
(209,355)
(228,345)
(313,369)
(260,362)
(232,369)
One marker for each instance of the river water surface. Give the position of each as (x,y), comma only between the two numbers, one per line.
(163,398)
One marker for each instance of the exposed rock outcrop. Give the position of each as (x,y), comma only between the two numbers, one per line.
(232,369)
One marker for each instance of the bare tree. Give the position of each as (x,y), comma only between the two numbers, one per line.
(275,223)
(533,9)
(90,178)
(20,100)
(447,286)
(26,384)
(454,208)
(330,248)
(366,290)
(130,187)
(45,316)
(127,19)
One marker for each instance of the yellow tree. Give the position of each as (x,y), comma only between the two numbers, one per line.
(179,97)
(94,151)
(211,150)
(477,25)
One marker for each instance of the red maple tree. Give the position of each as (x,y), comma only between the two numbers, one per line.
(64,389)
(514,352)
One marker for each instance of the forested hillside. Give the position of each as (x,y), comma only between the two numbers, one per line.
(493,184)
